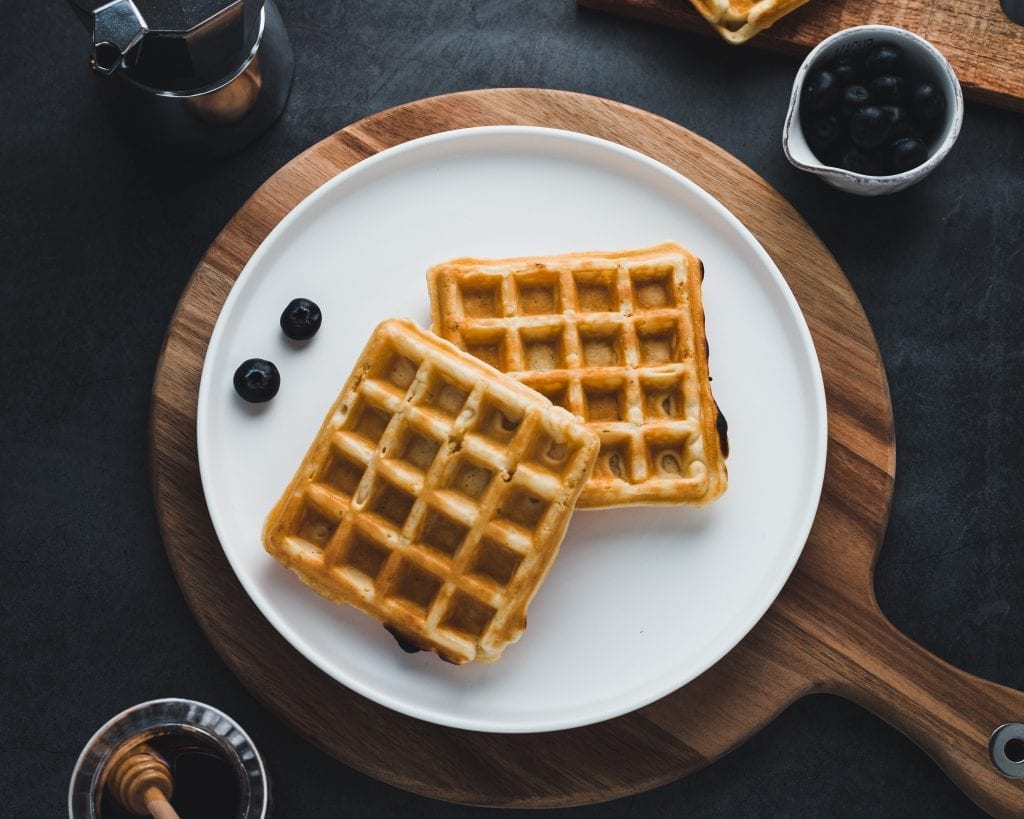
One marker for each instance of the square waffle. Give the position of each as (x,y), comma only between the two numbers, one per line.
(434,497)
(739,20)
(615,338)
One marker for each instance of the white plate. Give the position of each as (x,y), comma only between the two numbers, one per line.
(640,601)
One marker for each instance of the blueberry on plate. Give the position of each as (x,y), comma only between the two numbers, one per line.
(821,92)
(869,127)
(908,153)
(884,59)
(404,643)
(928,105)
(887,88)
(301,319)
(257,380)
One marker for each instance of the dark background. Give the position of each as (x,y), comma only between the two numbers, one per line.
(97,242)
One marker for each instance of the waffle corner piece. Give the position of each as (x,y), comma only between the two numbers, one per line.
(434,497)
(618,340)
(739,20)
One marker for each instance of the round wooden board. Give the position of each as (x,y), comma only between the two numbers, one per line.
(824,632)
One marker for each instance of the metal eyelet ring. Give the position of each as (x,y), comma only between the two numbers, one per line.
(1006,748)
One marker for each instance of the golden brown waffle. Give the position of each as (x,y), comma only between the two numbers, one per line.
(434,497)
(615,338)
(739,20)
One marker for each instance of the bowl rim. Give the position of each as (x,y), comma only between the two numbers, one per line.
(901,179)
(182,714)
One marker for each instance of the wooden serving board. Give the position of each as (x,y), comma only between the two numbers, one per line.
(985,48)
(823,633)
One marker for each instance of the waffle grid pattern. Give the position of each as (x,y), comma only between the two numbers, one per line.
(739,20)
(616,339)
(434,497)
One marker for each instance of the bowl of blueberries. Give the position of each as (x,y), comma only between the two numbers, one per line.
(874,109)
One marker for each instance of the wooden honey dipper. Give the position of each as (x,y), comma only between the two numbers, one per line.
(141,782)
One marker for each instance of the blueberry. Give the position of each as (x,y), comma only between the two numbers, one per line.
(885,59)
(823,132)
(869,127)
(257,380)
(908,153)
(848,71)
(301,319)
(887,88)
(404,643)
(859,160)
(855,96)
(900,123)
(821,92)
(928,105)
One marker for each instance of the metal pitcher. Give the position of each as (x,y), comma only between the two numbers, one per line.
(199,78)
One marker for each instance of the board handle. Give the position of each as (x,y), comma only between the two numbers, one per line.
(973,728)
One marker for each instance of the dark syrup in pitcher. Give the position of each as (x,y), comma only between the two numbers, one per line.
(205,783)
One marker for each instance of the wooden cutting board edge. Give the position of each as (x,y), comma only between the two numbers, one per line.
(979,62)
(824,632)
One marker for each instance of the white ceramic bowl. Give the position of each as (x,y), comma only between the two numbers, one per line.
(922,57)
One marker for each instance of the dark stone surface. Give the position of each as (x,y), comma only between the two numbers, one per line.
(98,239)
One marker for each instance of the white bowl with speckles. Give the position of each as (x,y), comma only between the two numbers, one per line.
(923,58)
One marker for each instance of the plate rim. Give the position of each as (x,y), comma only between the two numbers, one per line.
(798,321)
